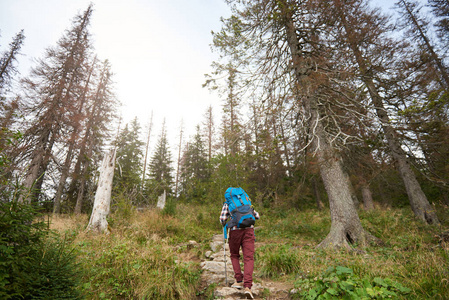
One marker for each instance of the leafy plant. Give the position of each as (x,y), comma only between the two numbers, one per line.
(341,282)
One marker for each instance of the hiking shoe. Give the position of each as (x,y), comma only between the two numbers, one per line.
(238,285)
(248,293)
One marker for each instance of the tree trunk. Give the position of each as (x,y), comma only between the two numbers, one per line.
(146,149)
(178,165)
(34,177)
(346,227)
(161,200)
(368,203)
(102,203)
(72,142)
(418,200)
(80,197)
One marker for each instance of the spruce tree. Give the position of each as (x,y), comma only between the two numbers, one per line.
(287,51)
(160,167)
(127,175)
(53,92)
(194,170)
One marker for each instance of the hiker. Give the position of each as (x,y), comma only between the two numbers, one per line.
(241,225)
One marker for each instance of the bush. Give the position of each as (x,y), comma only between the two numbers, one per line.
(34,263)
(341,283)
(170,207)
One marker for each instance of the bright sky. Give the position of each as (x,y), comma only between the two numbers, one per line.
(159,51)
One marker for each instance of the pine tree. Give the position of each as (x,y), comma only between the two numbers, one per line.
(361,30)
(9,138)
(160,168)
(99,115)
(440,9)
(194,170)
(53,91)
(418,31)
(209,133)
(7,60)
(76,131)
(129,158)
(286,41)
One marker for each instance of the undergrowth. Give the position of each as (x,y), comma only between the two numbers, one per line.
(146,257)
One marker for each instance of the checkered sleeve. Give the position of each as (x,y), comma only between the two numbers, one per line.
(256,215)
(224,214)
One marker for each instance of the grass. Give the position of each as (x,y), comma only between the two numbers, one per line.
(142,257)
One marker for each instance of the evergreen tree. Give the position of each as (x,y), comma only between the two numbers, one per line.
(8,107)
(53,92)
(99,115)
(418,31)
(440,9)
(127,175)
(287,42)
(160,167)
(7,60)
(364,32)
(195,170)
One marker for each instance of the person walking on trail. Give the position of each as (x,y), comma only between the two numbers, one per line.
(238,215)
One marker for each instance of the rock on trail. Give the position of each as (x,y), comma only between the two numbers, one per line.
(214,272)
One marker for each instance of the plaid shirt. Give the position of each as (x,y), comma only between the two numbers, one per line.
(225,213)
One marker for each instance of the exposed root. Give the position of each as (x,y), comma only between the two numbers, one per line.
(342,239)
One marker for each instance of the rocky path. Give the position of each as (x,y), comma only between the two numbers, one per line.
(214,272)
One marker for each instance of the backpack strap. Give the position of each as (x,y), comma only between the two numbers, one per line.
(230,193)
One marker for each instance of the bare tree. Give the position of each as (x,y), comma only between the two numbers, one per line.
(178,163)
(99,115)
(209,131)
(76,125)
(150,125)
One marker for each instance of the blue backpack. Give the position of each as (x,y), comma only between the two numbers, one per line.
(242,214)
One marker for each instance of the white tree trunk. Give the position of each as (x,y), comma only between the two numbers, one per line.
(102,201)
(161,201)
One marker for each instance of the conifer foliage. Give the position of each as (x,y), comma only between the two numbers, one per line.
(67,101)
(160,177)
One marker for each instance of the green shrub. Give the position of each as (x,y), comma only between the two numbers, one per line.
(170,207)
(341,283)
(34,264)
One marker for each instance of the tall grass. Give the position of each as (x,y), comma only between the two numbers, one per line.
(142,257)
(412,254)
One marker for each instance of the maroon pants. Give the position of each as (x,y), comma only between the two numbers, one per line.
(242,238)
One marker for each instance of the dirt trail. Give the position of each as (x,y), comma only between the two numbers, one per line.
(214,272)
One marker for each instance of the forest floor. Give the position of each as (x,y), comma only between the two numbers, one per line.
(154,255)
